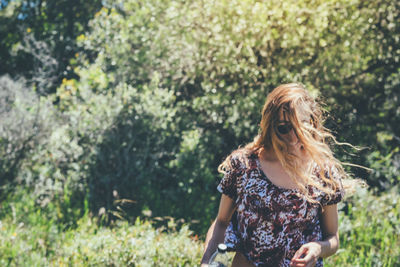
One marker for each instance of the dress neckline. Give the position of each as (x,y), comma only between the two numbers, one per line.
(269,181)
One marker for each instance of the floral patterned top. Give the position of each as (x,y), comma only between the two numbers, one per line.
(270,223)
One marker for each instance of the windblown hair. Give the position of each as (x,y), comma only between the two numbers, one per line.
(295,103)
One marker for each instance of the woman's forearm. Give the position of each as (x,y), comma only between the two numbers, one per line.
(215,235)
(329,246)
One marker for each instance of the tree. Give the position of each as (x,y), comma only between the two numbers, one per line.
(53,23)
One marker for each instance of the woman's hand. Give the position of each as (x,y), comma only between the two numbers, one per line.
(307,255)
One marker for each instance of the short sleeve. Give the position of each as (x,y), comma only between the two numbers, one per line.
(339,192)
(228,184)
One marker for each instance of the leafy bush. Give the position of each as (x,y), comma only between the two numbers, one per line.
(166,89)
(369,236)
(28,237)
(220,58)
(369,230)
(136,245)
(25,121)
(169,88)
(39,39)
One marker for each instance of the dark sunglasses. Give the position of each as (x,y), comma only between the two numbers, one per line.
(284,128)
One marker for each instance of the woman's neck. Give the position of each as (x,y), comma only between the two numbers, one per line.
(268,154)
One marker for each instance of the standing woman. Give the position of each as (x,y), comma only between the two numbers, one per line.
(280,192)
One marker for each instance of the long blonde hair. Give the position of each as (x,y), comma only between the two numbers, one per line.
(295,102)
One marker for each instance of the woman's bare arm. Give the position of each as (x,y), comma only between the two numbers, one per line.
(330,231)
(216,232)
(320,249)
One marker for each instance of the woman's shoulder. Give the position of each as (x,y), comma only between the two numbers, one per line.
(332,181)
(241,157)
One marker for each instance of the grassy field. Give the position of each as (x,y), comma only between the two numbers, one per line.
(369,234)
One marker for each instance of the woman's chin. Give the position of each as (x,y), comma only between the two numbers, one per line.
(300,151)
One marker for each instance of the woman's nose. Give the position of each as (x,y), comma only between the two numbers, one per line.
(293,138)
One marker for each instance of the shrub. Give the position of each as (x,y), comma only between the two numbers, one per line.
(170,88)
(25,121)
(369,236)
(29,237)
(369,230)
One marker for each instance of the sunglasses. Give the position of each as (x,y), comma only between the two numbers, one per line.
(284,128)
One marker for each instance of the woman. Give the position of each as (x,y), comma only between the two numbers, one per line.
(279,193)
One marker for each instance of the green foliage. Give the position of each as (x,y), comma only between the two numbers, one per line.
(369,231)
(30,238)
(221,59)
(26,120)
(152,95)
(369,236)
(39,39)
(135,245)
(167,89)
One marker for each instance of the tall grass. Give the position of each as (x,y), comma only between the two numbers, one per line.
(29,236)
(369,231)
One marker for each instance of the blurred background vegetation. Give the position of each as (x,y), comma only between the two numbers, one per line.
(114,116)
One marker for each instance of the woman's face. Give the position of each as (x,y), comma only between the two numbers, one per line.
(286,132)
